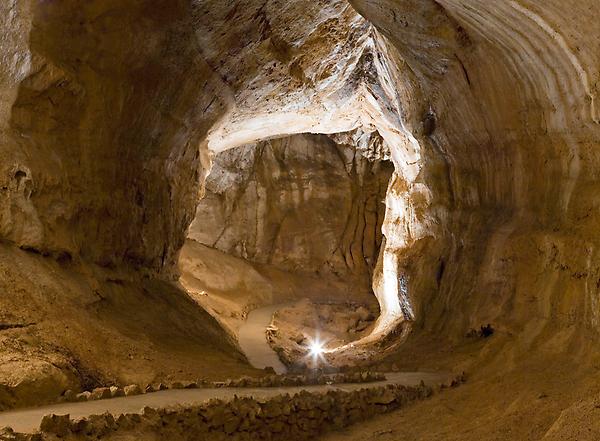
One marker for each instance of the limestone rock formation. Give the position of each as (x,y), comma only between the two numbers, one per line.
(301,203)
(103,107)
(507,119)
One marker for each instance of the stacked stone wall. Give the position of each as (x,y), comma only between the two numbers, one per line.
(286,418)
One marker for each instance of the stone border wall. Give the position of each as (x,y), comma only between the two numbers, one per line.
(284,417)
(102,393)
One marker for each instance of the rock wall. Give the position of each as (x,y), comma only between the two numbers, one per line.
(100,141)
(330,72)
(500,226)
(300,417)
(302,203)
(67,327)
(493,141)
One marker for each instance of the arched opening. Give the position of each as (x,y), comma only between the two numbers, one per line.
(294,224)
(357,88)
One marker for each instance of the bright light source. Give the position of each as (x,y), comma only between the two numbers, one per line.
(316,352)
(316,349)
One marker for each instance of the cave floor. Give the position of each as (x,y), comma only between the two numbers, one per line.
(511,393)
(521,406)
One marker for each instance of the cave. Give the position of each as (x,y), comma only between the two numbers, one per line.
(274,219)
(294,222)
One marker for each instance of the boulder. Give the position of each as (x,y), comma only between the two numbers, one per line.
(101,393)
(70,396)
(83,396)
(116,392)
(132,389)
(59,425)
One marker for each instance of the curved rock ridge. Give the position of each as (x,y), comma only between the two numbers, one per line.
(500,225)
(318,68)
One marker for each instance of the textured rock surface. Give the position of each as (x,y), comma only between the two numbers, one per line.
(493,140)
(506,117)
(295,328)
(304,205)
(100,137)
(317,68)
(67,327)
(229,287)
(301,203)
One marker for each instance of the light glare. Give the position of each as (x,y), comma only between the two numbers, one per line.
(316,348)
(316,352)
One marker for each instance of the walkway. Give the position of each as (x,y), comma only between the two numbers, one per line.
(253,340)
(28,420)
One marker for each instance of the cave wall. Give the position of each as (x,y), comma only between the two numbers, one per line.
(504,105)
(302,203)
(317,67)
(104,108)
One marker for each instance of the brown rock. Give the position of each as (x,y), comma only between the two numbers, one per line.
(101,393)
(70,396)
(132,389)
(116,391)
(59,425)
(83,396)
